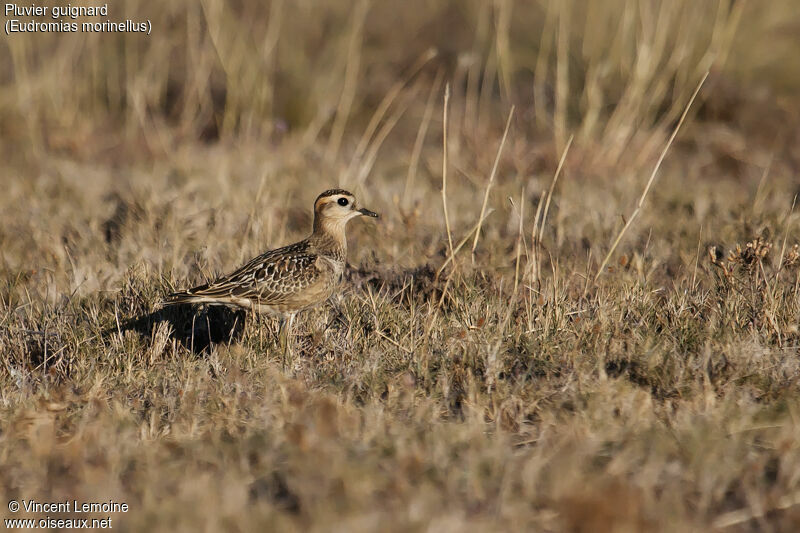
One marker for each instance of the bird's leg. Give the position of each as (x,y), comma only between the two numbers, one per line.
(282,341)
(257,320)
(285,337)
(289,338)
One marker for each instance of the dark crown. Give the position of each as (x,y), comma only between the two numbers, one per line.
(333,192)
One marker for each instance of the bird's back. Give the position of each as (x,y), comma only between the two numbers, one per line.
(283,280)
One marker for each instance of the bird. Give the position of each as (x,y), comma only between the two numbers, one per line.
(288,280)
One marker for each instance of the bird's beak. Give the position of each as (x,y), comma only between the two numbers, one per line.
(368,213)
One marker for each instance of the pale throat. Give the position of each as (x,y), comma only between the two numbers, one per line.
(331,233)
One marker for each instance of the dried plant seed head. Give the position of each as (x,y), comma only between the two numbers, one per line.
(716,256)
(792,258)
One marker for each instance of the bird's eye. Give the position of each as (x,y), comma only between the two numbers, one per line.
(343,202)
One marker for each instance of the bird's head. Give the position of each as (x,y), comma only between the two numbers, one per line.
(335,207)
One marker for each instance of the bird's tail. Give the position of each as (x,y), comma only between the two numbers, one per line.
(189,296)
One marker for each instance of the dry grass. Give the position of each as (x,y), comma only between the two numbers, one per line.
(504,391)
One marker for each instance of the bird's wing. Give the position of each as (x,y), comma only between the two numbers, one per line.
(271,278)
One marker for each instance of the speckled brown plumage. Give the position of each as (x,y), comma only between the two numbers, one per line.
(295,277)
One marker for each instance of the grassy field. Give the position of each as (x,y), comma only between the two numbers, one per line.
(582,347)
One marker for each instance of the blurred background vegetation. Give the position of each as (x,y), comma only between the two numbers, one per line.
(216,70)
